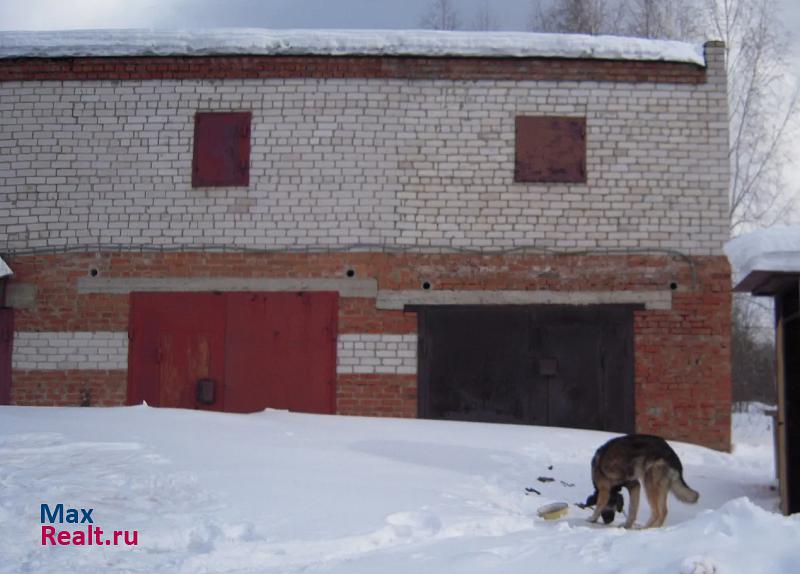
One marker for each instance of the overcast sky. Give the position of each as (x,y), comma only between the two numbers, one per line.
(60,14)
(66,14)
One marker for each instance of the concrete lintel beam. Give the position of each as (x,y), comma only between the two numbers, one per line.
(21,295)
(389,299)
(123,285)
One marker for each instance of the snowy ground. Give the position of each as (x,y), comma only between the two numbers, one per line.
(281,492)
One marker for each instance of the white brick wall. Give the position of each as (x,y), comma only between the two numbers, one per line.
(46,350)
(334,163)
(100,350)
(368,353)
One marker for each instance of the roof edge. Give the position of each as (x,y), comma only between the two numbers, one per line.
(426,43)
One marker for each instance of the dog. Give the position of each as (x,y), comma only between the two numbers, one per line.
(624,462)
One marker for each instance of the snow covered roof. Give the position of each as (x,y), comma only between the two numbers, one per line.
(5,270)
(251,41)
(757,256)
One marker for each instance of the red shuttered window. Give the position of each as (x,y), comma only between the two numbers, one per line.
(550,149)
(221,149)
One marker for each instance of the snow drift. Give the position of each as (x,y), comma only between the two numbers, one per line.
(283,492)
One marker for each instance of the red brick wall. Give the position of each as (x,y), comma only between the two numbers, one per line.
(682,354)
(69,388)
(442,68)
(683,368)
(377,395)
(359,315)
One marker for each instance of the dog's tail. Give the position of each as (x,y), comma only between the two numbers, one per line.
(682,490)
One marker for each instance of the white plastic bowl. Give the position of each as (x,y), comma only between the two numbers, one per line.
(553,511)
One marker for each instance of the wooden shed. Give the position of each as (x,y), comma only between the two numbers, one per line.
(767,264)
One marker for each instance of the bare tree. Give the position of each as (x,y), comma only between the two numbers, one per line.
(752,352)
(676,19)
(441,15)
(572,16)
(485,19)
(762,108)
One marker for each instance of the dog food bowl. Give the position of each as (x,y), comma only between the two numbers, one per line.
(553,511)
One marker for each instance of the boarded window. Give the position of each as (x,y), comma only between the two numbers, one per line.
(550,149)
(221,149)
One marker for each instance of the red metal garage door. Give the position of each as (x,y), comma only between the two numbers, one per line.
(280,352)
(176,340)
(237,352)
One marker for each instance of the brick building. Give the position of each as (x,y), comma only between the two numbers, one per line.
(495,227)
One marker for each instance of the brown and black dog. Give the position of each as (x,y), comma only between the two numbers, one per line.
(627,460)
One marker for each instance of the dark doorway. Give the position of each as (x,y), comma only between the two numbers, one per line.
(6,342)
(545,365)
(787,311)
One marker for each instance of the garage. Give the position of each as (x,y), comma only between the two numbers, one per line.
(234,352)
(552,365)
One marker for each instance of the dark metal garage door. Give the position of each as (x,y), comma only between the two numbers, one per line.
(544,365)
(235,352)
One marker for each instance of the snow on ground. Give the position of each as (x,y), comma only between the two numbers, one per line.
(70,43)
(282,492)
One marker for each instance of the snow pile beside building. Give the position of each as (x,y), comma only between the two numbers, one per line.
(5,270)
(74,43)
